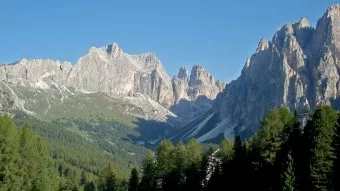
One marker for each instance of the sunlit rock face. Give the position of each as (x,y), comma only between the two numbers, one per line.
(111,71)
(298,68)
(194,94)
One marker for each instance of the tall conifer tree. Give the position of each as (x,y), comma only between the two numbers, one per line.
(134,180)
(10,172)
(288,174)
(336,166)
(319,134)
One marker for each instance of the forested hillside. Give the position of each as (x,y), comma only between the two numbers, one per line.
(77,159)
(282,155)
(24,160)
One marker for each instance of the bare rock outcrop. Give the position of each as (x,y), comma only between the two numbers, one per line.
(195,94)
(298,68)
(111,71)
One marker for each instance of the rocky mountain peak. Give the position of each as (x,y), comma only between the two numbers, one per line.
(183,73)
(262,45)
(203,83)
(150,58)
(23,61)
(246,65)
(327,31)
(330,18)
(333,10)
(200,76)
(114,49)
(296,34)
(197,66)
(111,51)
(119,75)
(299,68)
(66,66)
(194,96)
(303,23)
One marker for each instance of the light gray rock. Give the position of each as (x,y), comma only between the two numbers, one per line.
(202,83)
(35,72)
(298,68)
(111,71)
(194,95)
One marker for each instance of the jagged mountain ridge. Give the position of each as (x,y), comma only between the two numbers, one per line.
(194,94)
(298,68)
(139,81)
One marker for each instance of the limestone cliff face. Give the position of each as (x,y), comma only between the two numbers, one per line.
(111,71)
(324,57)
(35,72)
(298,68)
(202,83)
(181,85)
(194,94)
(107,69)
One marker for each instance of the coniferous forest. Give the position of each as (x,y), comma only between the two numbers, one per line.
(283,154)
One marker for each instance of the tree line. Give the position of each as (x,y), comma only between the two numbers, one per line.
(281,155)
(24,160)
(76,158)
(27,165)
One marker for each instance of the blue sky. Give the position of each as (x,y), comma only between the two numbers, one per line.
(220,34)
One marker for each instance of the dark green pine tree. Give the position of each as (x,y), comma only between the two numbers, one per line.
(172,181)
(336,166)
(296,145)
(237,165)
(48,178)
(291,141)
(29,155)
(83,178)
(319,134)
(295,135)
(287,179)
(248,170)
(265,146)
(193,180)
(175,179)
(24,161)
(10,174)
(238,149)
(194,153)
(165,158)
(150,177)
(107,180)
(90,186)
(267,141)
(134,180)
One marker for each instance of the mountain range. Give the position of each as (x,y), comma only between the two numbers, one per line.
(298,68)
(108,83)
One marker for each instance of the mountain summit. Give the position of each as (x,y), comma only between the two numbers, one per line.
(195,94)
(299,68)
(140,80)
